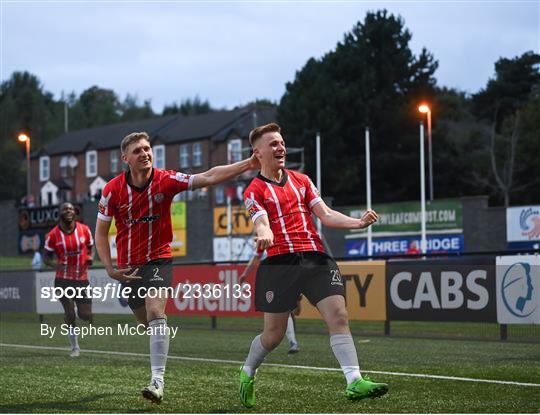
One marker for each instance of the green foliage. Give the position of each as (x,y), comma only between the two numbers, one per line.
(189,106)
(372,79)
(510,104)
(131,111)
(24,107)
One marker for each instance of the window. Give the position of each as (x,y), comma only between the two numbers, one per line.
(114,161)
(197,154)
(44,168)
(184,156)
(159,156)
(220,195)
(234,150)
(64,166)
(91,163)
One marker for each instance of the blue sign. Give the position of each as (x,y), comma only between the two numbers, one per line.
(524,245)
(399,245)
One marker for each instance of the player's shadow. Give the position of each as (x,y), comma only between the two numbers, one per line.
(72,406)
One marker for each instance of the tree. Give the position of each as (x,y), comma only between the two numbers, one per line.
(131,111)
(509,96)
(95,107)
(189,107)
(371,79)
(24,106)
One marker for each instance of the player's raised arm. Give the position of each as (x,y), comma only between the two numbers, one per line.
(220,174)
(334,219)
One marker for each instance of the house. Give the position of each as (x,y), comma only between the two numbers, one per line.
(77,165)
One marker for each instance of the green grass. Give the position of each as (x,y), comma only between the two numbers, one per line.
(16,262)
(49,381)
(24,261)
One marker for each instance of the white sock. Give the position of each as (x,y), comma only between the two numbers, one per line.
(256,356)
(345,352)
(290,330)
(159,347)
(73,339)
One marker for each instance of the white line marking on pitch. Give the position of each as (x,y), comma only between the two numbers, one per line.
(238,362)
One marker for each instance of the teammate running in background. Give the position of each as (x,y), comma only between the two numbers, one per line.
(72,244)
(140,202)
(280,203)
(290,332)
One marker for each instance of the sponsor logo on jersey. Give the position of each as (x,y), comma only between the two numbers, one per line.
(249,203)
(104,203)
(181,177)
(143,219)
(336,277)
(252,210)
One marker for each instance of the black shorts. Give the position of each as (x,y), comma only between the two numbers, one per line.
(65,283)
(281,279)
(157,274)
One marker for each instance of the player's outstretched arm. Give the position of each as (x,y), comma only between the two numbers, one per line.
(334,219)
(220,174)
(104,252)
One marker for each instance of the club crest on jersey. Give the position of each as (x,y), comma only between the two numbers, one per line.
(158,197)
(269,296)
(82,239)
(303,191)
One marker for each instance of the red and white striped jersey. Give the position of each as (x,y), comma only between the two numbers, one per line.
(71,250)
(142,216)
(288,207)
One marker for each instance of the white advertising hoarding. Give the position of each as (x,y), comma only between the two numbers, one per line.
(518,289)
(523,223)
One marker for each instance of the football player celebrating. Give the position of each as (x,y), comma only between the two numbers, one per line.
(280,203)
(72,244)
(140,202)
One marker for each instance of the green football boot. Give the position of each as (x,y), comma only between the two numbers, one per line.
(364,388)
(247,389)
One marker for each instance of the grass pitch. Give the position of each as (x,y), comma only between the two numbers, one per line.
(42,380)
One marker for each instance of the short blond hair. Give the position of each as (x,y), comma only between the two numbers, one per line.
(133,138)
(258,132)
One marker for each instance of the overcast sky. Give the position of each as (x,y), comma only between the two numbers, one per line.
(233,52)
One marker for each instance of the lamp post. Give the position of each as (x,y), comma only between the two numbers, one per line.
(423,242)
(424,109)
(23,138)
